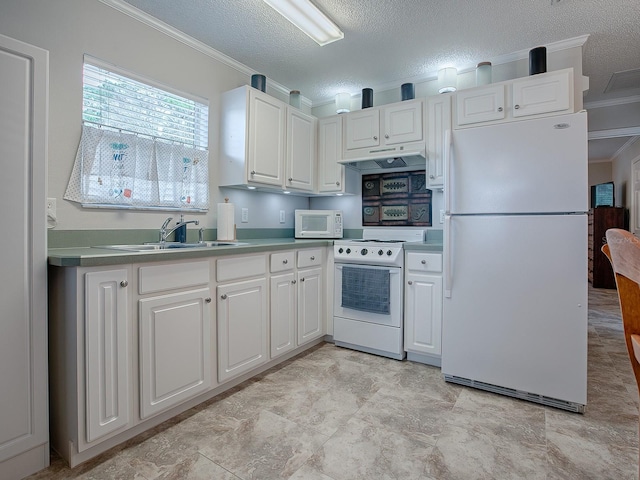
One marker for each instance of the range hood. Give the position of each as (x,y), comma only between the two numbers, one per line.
(392,161)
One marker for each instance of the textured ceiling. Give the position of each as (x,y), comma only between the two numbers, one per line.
(389,42)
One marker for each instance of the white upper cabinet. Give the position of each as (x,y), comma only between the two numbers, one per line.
(537,95)
(381,132)
(301,150)
(265,143)
(439,121)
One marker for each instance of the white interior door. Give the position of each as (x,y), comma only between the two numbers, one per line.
(23,296)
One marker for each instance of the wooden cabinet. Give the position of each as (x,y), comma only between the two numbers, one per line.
(423,307)
(242,315)
(537,95)
(265,143)
(600,220)
(438,123)
(386,131)
(106,353)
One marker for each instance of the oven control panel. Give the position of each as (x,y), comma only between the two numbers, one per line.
(369,254)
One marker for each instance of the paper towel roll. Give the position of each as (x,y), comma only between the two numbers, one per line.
(226,225)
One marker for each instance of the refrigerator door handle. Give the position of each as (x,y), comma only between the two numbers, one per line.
(448,280)
(447,171)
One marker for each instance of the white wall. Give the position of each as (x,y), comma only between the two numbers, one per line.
(71,28)
(600,172)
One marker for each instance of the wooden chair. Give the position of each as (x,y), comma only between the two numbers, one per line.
(623,251)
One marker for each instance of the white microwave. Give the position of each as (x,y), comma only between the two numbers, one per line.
(318,223)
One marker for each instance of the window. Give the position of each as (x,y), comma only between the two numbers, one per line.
(142,146)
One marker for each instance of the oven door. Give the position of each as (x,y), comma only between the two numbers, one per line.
(368,293)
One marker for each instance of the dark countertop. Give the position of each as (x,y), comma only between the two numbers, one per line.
(94,256)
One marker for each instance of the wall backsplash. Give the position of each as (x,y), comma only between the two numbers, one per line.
(399,199)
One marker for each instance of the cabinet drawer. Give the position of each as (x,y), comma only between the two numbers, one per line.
(309,257)
(156,278)
(424,262)
(235,268)
(281,262)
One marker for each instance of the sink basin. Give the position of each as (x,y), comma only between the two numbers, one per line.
(142,247)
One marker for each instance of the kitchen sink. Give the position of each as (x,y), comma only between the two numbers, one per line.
(144,247)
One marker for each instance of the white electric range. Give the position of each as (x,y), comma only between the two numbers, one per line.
(369,290)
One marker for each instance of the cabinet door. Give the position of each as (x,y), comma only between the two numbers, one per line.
(301,150)
(242,327)
(546,93)
(330,172)
(403,123)
(283,314)
(423,314)
(480,105)
(106,362)
(266,139)
(310,291)
(175,349)
(362,129)
(439,120)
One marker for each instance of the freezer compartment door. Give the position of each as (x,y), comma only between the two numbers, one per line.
(532,166)
(517,312)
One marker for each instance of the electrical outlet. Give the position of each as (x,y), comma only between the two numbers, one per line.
(245,215)
(51,208)
(281,216)
(441,216)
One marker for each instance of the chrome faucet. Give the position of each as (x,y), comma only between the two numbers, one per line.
(164,233)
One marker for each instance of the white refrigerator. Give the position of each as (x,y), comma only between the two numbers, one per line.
(515,255)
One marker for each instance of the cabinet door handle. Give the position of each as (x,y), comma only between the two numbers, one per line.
(290,179)
(410,282)
(500,109)
(375,137)
(517,107)
(124,283)
(208,299)
(223,296)
(253,172)
(386,135)
(432,177)
(293,281)
(337,184)
(424,262)
(313,258)
(302,279)
(285,261)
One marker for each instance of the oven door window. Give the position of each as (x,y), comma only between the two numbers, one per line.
(366,289)
(389,301)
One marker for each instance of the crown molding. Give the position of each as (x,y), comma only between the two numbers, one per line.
(614,102)
(162,27)
(614,133)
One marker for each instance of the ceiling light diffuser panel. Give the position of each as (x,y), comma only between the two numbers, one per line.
(306,16)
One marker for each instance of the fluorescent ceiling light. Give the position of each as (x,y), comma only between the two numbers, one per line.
(306,16)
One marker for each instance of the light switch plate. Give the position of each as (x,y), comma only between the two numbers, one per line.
(441,216)
(245,215)
(51,208)
(281,216)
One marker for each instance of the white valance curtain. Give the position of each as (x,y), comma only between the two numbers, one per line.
(126,170)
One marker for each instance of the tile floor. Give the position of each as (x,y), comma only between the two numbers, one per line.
(337,414)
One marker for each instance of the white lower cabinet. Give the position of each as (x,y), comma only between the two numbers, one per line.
(423,307)
(283,313)
(310,295)
(106,353)
(175,349)
(242,327)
